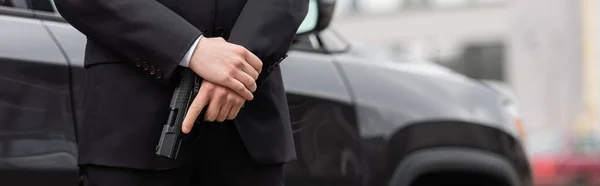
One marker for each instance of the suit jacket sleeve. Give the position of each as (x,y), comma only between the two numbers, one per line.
(267,28)
(141,30)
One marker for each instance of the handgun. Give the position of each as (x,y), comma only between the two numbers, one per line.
(183,95)
(185,92)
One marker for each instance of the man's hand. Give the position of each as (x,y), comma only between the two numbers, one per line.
(226,64)
(223,103)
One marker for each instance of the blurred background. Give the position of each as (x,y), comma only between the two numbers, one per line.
(543,54)
(546,50)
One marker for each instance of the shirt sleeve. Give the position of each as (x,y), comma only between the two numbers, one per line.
(185,61)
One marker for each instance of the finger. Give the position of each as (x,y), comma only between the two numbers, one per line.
(224,112)
(193,111)
(235,109)
(254,61)
(248,69)
(248,81)
(213,108)
(239,88)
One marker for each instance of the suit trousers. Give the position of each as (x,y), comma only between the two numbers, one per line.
(222,160)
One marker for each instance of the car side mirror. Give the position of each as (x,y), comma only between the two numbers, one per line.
(318,17)
(326,10)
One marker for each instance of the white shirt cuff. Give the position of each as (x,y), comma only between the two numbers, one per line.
(185,62)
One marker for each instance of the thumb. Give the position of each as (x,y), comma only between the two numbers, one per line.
(192,114)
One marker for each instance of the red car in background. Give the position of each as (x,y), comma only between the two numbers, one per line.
(559,159)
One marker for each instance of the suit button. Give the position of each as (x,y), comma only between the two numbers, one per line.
(159,74)
(138,63)
(270,69)
(218,32)
(152,70)
(145,66)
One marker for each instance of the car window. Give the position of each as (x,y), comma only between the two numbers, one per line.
(38,5)
(42,5)
(22,4)
(7,3)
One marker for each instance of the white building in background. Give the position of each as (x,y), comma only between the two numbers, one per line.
(437,30)
(546,62)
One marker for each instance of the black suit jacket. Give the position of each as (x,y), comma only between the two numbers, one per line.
(133,51)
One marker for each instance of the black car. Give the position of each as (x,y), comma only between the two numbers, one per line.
(360,116)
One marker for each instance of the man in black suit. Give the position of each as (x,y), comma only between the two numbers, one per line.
(133,53)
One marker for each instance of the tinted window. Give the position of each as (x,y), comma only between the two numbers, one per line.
(14,3)
(41,5)
(6,3)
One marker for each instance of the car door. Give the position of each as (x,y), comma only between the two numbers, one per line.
(36,125)
(72,43)
(323,118)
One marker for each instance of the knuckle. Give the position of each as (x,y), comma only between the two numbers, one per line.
(217,90)
(224,78)
(208,112)
(232,114)
(254,76)
(215,116)
(240,49)
(240,87)
(222,96)
(248,81)
(238,101)
(231,72)
(219,39)
(260,64)
(218,96)
(231,99)
(207,86)
(237,62)
(210,117)
(209,89)
(215,95)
